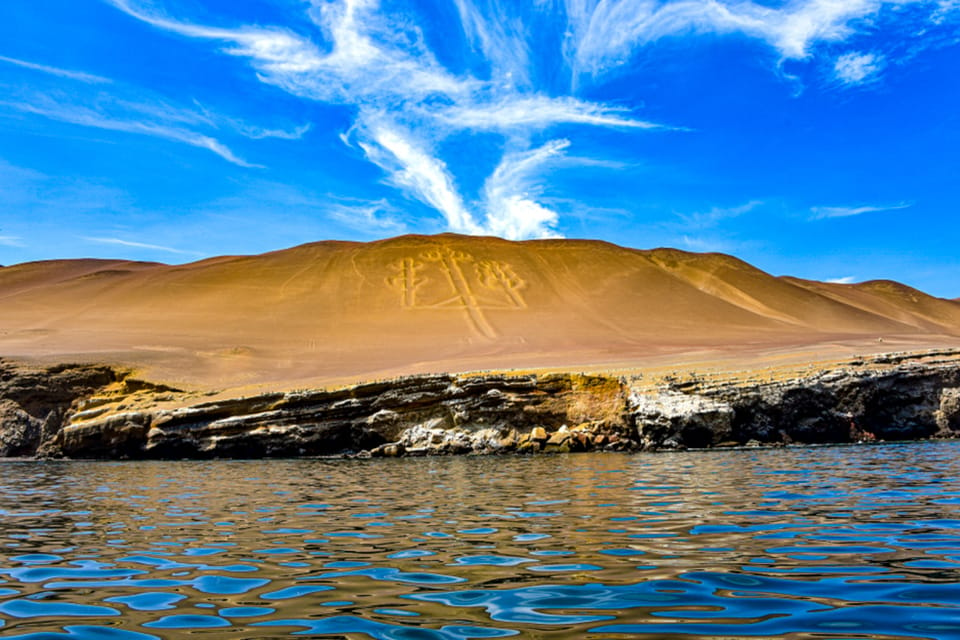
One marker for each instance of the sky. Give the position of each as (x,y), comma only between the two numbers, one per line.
(813,138)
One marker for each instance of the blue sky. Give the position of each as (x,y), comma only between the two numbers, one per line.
(816,138)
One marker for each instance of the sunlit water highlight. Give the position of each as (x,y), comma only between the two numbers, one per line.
(843,542)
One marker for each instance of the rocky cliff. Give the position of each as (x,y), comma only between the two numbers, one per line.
(35,404)
(99,412)
(889,397)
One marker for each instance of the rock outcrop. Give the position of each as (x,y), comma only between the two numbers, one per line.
(435,414)
(36,402)
(670,419)
(98,412)
(887,398)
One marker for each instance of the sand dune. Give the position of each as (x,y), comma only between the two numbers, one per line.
(342,310)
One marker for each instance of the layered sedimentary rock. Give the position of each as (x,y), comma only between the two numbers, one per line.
(885,398)
(98,412)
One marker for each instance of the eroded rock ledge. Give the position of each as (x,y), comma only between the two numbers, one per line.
(85,411)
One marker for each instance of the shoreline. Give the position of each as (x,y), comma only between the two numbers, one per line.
(513,454)
(85,411)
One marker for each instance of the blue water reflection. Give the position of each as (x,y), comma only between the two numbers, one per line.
(825,543)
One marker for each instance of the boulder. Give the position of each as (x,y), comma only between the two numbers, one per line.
(948,415)
(19,431)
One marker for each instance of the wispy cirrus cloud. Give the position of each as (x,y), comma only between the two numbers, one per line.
(823,213)
(713,216)
(369,56)
(137,245)
(79,76)
(259,133)
(604,34)
(502,42)
(114,106)
(945,9)
(247,130)
(63,109)
(376,217)
(855,68)
(129,110)
(705,244)
(532,112)
(843,280)
(11,241)
(410,166)
(406,100)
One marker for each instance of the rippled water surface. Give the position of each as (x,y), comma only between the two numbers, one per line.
(845,542)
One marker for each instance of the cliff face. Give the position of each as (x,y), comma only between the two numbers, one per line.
(887,398)
(87,411)
(36,403)
(452,414)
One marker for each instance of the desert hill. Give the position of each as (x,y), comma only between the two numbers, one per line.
(345,310)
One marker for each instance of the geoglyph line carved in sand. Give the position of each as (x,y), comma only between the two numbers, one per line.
(489,284)
(494,275)
(407,281)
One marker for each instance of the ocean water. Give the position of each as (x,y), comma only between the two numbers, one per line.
(827,542)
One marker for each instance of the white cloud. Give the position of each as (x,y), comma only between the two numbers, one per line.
(511,192)
(371,58)
(708,245)
(376,216)
(425,176)
(274,49)
(945,8)
(11,241)
(374,58)
(518,217)
(217,120)
(794,29)
(843,280)
(155,109)
(406,101)
(137,245)
(55,71)
(604,34)
(855,68)
(503,42)
(537,112)
(132,110)
(259,133)
(822,213)
(710,218)
(66,111)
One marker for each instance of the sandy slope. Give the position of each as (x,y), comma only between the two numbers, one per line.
(339,311)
